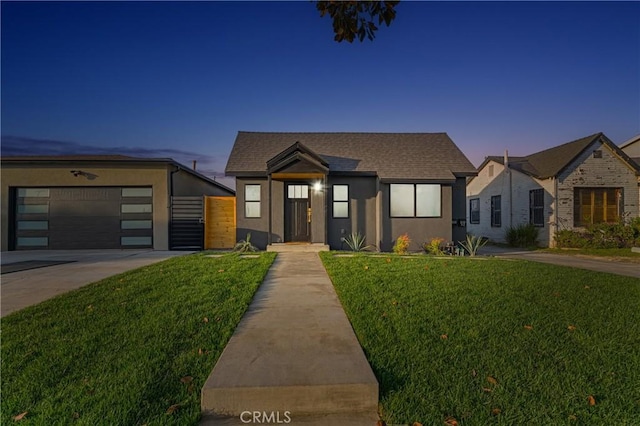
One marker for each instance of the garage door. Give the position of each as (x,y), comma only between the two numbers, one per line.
(59,218)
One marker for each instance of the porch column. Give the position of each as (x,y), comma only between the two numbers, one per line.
(270,210)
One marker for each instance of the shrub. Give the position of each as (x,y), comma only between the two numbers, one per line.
(245,246)
(356,242)
(602,235)
(567,238)
(433,247)
(402,244)
(522,235)
(473,244)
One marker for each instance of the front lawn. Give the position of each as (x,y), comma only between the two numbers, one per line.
(492,341)
(132,349)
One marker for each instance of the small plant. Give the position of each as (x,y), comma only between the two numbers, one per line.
(245,246)
(357,242)
(522,235)
(402,244)
(434,247)
(473,244)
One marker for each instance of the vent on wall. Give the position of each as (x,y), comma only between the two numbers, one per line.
(597,153)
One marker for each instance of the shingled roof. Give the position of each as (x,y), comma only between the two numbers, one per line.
(552,161)
(428,156)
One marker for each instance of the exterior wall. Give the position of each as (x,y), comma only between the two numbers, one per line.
(459,210)
(59,175)
(362,211)
(632,149)
(258,227)
(420,230)
(586,171)
(513,187)
(187,185)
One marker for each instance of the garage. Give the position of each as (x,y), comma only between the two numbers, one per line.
(67,218)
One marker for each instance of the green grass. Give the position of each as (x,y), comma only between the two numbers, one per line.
(438,331)
(620,254)
(124,350)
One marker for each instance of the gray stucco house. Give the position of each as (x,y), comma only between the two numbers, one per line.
(570,186)
(320,187)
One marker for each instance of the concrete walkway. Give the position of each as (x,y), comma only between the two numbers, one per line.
(293,354)
(601,265)
(29,287)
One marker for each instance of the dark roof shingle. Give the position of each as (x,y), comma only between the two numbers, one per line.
(390,155)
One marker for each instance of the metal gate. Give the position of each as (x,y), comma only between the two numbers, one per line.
(187,223)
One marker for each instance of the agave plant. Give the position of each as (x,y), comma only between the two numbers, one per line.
(473,244)
(245,246)
(357,242)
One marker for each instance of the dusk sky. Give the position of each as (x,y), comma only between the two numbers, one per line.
(165,79)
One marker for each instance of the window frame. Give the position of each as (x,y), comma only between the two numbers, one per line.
(257,202)
(536,210)
(496,213)
(578,219)
(475,221)
(415,204)
(341,202)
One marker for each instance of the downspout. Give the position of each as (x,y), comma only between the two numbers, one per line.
(508,172)
(326,210)
(269,237)
(552,243)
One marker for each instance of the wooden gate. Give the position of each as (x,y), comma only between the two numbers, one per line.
(220,222)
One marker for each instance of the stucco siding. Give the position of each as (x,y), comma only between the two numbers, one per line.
(586,171)
(101,176)
(187,185)
(362,213)
(257,226)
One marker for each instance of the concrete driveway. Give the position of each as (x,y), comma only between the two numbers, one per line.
(601,265)
(29,287)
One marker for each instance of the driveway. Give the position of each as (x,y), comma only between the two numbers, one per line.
(53,272)
(601,265)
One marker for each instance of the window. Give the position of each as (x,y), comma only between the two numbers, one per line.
(415,200)
(135,224)
(33,225)
(33,208)
(252,200)
(298,191)
(33,241)
(340,201)
(536,207)
(496,211)
(33,192)
(135,241)
(136,208)
(596,205)
(137,192)
(474,210)
(491,170)
(597,153)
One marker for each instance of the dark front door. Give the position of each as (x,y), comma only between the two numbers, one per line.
(297,214)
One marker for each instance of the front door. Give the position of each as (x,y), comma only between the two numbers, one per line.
(297,214)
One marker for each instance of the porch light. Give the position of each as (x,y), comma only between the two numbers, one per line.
(317,186)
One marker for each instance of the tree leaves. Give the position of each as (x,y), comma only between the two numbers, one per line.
(353,19)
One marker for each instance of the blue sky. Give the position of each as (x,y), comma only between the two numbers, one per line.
(165,79)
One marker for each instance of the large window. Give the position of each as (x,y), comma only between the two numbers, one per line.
(415,200)
(340,201)
(252,200)
(496,211)
(536,207)
(596,205)
(474,210)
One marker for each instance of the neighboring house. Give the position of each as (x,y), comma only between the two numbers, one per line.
(95,201)
(321,187)
(632,148)
(586,181)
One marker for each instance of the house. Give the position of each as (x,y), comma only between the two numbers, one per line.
(586,181)
(320,187)
(632,148)
(101,202)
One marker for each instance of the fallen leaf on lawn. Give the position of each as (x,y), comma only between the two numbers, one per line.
(200,351)
(388,260)
(20,416)
(90,307)
(394,303)
(186,379)
(592,400)
(572,417)
(173,408)
(492,380)
(366,267)
(450,421)
(528,327)
(416,424)
(487,390)
(444,336)
(587,287)
(205,319)
(220,270)
(496,411)
(571,327)
(218,319)
(384,315)
(426,268)
(474,373)
(76,415)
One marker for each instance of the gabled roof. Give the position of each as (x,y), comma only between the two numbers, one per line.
(428,156)
(552,161)
(631,141)
(113,159)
